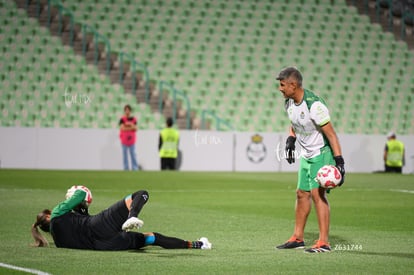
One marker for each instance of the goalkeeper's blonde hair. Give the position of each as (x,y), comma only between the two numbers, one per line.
(44,224)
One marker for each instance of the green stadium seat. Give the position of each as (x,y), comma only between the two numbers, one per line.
(218,50)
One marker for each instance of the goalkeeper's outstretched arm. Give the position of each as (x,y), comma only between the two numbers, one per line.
(69,204)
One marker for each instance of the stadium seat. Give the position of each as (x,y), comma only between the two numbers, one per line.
(218,51)
(38,75)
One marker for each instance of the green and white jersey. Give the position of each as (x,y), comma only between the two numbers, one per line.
(307,118)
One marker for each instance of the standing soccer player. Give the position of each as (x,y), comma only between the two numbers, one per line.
(311,126)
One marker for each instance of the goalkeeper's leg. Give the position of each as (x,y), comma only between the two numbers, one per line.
(170,242)
(134,203)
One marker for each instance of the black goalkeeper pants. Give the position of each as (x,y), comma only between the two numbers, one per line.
(106,230)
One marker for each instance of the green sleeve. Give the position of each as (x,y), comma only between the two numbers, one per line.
(69,204)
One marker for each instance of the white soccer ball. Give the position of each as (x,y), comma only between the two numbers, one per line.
(71,191)
(329,176)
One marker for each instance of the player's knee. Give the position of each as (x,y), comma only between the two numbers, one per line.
(301,194)
(141,193)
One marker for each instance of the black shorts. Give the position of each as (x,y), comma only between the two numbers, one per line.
(393,169)
(167,163)
(106,229)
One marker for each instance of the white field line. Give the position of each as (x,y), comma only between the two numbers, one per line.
(403,191)
(28,270)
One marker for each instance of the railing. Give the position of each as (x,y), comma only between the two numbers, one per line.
(96,38)
(70,14)
(61,10)
(132,68)
(55,3)
(175,94)
(378,10)
(134,65)
(218,120)
(37,6)
(406,15)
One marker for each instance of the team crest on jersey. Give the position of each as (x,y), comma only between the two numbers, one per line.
(302,115)
(256,150)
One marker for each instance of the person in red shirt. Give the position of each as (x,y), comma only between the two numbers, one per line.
(127,134)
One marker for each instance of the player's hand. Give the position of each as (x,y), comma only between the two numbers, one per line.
(340,164)
(82,208)
(290,149)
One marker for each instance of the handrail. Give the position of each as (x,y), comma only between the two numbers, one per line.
(38,6)
(96,37)
(55,2)
(175,94)
(70,14)
(378,9)
(219,121)
(406,15)
(121,71)
(134,63)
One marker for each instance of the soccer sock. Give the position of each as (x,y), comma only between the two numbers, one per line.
(171,242)
(196,244)
(138,200)
(149,240)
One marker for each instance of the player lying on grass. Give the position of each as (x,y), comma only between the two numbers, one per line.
(72,227)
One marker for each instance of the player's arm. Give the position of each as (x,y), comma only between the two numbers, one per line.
(330,134)
(385,153)
(69,204)
(292,132)
(121,125)
(290,146)
(129,126)
(159,143)
(133,126)
(320,115)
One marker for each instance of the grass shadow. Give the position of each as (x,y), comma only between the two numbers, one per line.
(334,239)
(167,253)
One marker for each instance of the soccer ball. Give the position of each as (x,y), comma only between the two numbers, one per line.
(328,176)
(71,191)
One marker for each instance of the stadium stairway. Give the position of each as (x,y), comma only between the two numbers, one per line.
(44,84)
(117,73)
(391,15)
(224,55)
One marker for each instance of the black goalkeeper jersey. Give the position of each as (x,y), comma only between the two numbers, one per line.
(69,230)
(68,227)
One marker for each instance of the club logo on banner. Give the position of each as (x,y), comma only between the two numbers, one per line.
(256,150)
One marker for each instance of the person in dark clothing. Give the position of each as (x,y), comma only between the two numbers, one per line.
(72,227)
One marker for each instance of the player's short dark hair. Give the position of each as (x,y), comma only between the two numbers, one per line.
(290,72)
(170,122)
(128,107)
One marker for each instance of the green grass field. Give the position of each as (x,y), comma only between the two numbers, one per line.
(243,214)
